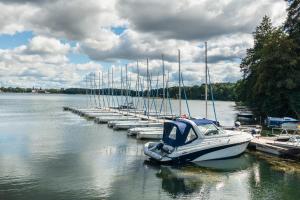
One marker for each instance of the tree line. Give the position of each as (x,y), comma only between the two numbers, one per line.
(271,68)
(221,91)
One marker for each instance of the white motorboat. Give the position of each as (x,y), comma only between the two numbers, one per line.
(195,140)
(146,135)
(287,141)
(134,131)
(106,119)
(128,125)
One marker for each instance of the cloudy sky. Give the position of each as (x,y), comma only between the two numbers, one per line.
(55,43)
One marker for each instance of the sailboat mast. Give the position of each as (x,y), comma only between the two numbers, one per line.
(126,83)
(86,91)
(179,81)
(138,84)
(121,85)
(205,79)
(148,88)
(108,88)
(163,66)
(99,91)
(112,86)
(94,87)
(103,90)
(91,88)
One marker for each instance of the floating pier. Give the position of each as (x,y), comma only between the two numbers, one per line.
(270,146)
(139,125)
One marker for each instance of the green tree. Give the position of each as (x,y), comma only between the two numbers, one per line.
(292,24)
(271,73)
(292,27)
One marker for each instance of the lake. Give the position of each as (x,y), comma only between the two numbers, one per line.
(47,153)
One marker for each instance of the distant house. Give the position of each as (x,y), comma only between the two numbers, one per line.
(36,90)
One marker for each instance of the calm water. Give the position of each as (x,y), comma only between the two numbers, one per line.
(46,153)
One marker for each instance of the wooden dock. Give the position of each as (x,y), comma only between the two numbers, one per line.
(124,119)
(267,145)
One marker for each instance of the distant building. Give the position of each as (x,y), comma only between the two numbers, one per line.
(36,90)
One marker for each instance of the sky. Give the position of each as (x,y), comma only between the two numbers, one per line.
(56,43)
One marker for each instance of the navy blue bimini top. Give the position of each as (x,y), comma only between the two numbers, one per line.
(182,130)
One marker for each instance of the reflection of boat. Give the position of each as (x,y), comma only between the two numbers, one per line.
(177,180)
(239,163)
(195,140)
(175,184)
(193,178)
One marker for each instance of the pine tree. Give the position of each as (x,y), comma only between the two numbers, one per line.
(292,24)
(292,27)
(271,72)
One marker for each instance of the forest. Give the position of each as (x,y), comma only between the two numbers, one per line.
(271,69)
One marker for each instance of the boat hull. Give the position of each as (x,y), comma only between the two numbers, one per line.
(228,152)
(204,154)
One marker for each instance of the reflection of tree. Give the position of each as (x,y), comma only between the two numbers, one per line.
(267,182)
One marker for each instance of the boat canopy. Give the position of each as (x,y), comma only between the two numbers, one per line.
(277,122)
(176,132)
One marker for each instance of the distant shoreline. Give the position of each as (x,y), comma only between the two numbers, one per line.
(221,91)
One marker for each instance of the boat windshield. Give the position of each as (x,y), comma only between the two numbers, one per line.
(173,133)
(210,129)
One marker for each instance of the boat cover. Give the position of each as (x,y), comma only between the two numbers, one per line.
(277,122)
(182,131)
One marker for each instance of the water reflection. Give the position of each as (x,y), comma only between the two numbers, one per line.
(46,153)
(175,184)
(203,179)
(240,163)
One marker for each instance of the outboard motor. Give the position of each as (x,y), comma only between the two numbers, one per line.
(254,131)
(237,124)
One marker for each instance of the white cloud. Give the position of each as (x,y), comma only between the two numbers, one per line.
(46,45)
(43,63)
(133,45)
(152,28)
(39,50)
(198,20)
(15,18)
